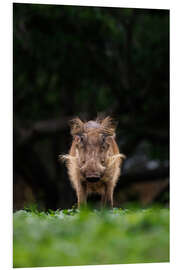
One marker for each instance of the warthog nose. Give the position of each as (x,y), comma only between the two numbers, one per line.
(92,178)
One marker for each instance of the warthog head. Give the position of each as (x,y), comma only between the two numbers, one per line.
(92,141)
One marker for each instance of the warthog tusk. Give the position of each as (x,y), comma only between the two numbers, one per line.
(67,157)
(114,158)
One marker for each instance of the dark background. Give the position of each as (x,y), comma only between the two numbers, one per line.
(78,61)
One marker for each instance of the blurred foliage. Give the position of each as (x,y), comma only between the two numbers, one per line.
(73,237)
(73,60)
(84,55)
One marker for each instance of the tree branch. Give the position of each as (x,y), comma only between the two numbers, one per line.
(44,127)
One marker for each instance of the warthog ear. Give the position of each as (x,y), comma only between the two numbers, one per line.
(77,126)
(108,126)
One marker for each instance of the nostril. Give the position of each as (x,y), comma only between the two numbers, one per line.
(93,179)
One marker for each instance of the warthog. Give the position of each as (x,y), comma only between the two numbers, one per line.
(94,161)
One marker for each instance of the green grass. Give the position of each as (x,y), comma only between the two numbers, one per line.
(72,237)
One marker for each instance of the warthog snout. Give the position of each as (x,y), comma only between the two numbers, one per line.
(92,170)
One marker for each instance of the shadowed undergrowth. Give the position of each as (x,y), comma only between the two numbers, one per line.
(72,237)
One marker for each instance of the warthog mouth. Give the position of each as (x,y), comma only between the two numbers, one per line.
(93,179)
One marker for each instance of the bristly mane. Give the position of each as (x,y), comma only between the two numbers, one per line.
(105,125)
(108,125)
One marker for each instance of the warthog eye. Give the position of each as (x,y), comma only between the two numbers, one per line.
(104,145)
(81,138)
(103,138)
